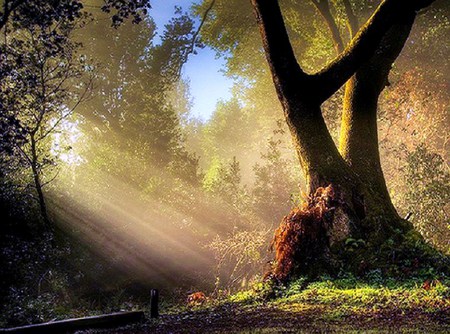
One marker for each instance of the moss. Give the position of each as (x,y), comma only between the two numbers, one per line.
(325,305)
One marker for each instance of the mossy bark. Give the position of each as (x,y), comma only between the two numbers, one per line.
(359,133)
(319,158)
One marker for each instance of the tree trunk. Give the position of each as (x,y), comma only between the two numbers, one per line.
(334,211)
(319,158)
(359,133)
(38,184)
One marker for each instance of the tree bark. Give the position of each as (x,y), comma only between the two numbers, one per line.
(362,47)
(359,133)
(301,94)
(359,138)
(319,158)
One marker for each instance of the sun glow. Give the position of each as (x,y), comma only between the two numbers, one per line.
(139,235)
(65,140)
(150,239)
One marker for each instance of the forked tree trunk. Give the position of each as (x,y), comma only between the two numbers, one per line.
(348,198)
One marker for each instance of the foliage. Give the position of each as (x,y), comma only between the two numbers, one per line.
(427,177)
(229,126)
(43,80)
(125,9)
(139,198)
(44,282)
(141,117)
(238,257)
(25,261)
(48,11)
(224,180)
(275,189)
(50,48)
(421,118)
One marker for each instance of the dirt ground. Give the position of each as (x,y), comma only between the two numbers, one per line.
(232,318)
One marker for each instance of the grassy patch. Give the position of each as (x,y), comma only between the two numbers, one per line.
(344,305)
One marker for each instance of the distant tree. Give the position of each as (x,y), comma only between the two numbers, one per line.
(135,112)
(153,118)
(275,189)
(224,181)
(226,134)
(428,195)
(43,80)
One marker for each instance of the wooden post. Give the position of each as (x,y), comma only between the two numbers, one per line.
(154,313)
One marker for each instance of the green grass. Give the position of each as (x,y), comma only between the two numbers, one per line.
(346,305)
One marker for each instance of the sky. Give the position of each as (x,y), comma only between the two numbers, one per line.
(203,71)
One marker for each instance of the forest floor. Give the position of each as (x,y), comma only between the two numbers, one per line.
(323,307)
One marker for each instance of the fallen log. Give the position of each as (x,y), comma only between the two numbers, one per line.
(71,325)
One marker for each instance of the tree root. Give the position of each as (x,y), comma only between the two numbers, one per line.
(303,236)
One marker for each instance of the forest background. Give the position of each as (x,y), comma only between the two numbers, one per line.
(109,185)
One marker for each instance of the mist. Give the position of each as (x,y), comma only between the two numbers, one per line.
(124,188)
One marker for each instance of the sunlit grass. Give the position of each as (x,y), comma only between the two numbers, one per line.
(369,298)
(325,306)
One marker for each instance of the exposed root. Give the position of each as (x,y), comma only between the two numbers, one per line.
(302,237)
(324,235)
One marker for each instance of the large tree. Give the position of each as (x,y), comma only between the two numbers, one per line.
(348,196)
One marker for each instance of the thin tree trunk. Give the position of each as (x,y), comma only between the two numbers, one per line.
(38,184)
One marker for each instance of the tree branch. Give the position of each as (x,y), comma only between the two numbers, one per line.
(352,20)
(390,47)
(194,39)
(323,6)
(286,72)
(80,100)
(52,179)
(363,45)
(24,154)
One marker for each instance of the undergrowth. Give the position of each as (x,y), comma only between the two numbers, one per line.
(347,293)
(334,305)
